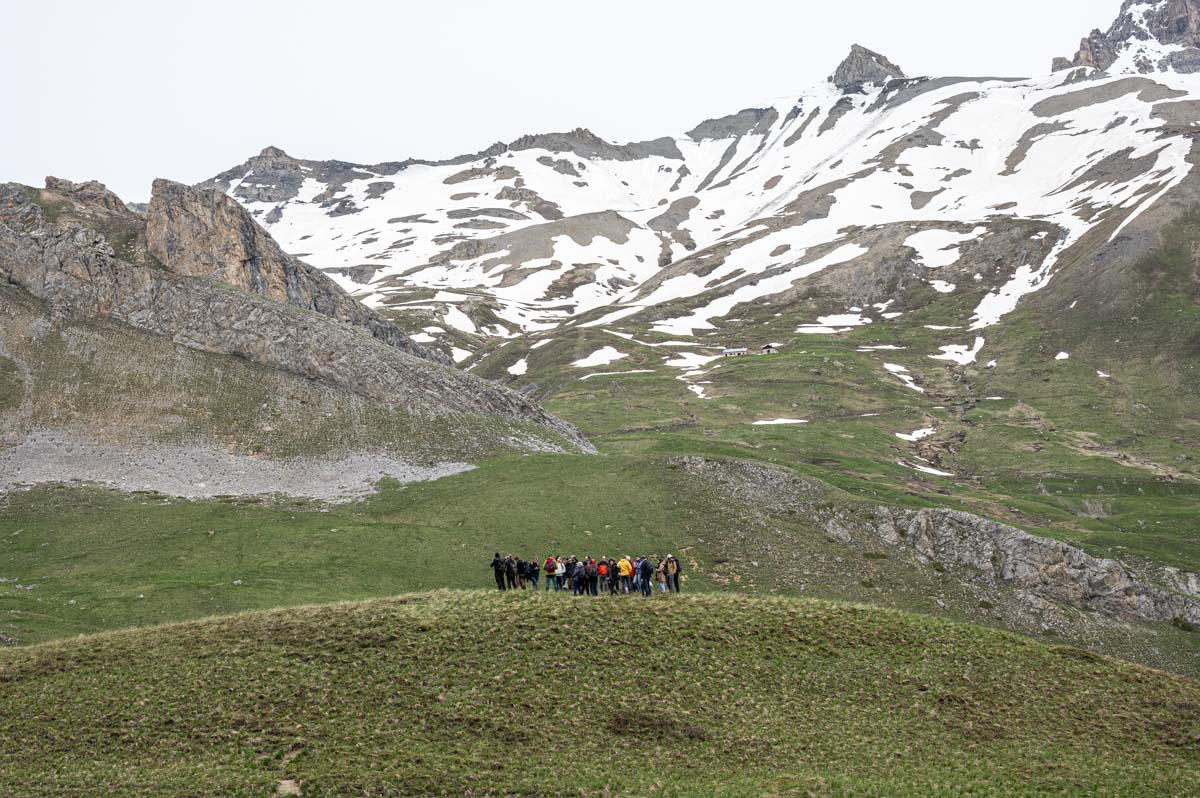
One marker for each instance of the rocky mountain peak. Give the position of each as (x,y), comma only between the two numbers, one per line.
(274,152)
(1147,36)
(864,66)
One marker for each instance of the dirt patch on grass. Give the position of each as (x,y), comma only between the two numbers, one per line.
(654,724)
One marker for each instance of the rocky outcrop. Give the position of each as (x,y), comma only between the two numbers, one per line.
(864,66)
(586,144)
(1165,22)
(746,121)
(972,548)
(1003,555)
(205,234)
(89,193)
(76,270)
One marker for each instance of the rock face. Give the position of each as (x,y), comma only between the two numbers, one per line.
(1141,25)
(205,234)
(90,193)
(1004,555)
(958,543)
(76,271)
(864,66)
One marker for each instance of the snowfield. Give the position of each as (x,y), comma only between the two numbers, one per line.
(678,234)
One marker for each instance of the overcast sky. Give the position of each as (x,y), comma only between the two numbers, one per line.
(124,91)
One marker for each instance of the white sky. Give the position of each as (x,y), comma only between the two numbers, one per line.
(124,91)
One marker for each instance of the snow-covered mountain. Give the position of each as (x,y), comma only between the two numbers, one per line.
(870,193)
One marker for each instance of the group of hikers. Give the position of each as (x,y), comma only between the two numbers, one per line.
(590,576)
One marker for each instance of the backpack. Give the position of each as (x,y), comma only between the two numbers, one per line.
(591,568)
(672,567)
(603,568)
(551,567)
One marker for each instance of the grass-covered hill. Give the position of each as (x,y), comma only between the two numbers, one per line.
(488,694)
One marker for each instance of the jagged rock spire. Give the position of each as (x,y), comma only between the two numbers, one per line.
(1142,24)
(864,66)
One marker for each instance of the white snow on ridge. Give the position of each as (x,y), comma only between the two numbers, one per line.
(938,248)
(614,373)
(960,353)
(519,368)
(691,360)
(924,469)
(459,320)
(601,357)
(901,373)
(699,319)
(916,435)
(837,323)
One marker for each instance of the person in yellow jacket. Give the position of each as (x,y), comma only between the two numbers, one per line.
(625,569)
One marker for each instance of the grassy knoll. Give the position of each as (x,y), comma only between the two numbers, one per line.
(483,694)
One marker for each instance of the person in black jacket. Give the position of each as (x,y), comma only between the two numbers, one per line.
(647,574)
(498,569)
(510,572)
(580,579)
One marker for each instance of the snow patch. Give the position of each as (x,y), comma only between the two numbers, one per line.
(960,353)
(601,357)
(614,373)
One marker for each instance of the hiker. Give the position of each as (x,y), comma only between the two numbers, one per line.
(510,572)
(646,573)
(498,568)
(625,571)
(579,578)
(673,570)
(592,572)
(589,576)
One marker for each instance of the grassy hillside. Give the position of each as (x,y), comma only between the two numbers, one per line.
(485,694)
(77,560)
